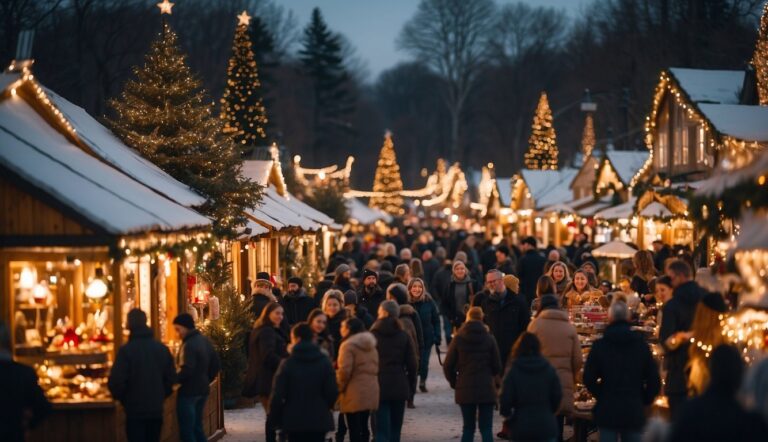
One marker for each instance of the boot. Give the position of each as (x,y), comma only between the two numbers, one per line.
(423,386)
(411,404)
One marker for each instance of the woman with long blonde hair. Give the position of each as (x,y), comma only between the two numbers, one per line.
(645,271)
(558,271)
(706,335)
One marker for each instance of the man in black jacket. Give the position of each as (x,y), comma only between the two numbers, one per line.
(141,378)
(622,375)
(370,295)
(439,286)
(198,366)
(529,269)
(305,390)
(296,302)
(504,261)
(674,334)
(506,314)
(261,292)
(22,403)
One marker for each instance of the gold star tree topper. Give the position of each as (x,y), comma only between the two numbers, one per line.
(244,19)
(165,7)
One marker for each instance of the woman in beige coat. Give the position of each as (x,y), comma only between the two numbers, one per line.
(358,378)
(560,346)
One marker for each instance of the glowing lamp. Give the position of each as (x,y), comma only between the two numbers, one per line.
(97,288)
(27,278)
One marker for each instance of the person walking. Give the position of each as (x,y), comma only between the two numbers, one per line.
(504,260)
(357,378)
(199,365)
(397,372)
(529,268)
(439,286)
(296,302)
(506,314)
(623,376)
(429,317)
(261,293)
(674,334)
(411,324)
(357,310)
(458,297)
(304,391)
(370,295)
(531,393)
(318,322)
(266,349)
(471,368)
(561,347)
(141,378)
(23,405)
(342,278)
(333,307)
(717,415)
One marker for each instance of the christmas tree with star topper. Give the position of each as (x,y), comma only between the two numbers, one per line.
(163,113)
(542,145)
(387,183)
(242,106)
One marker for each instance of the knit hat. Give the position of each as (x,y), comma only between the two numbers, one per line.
(185,320)
(136,319)
(475,314)
(264,278)
(531,241)
(369,272)
(503,249)
(461,256)
(398,293)
(296,280)
(549,301)
(386,266)
(457,262)
(350,297)
(341,268)
(715,302)
(512,283)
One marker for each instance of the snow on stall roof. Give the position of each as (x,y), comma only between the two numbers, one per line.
(273,211)
(107,146)
(627,163)
(42,156)
(256,229)
(549,187)
(723,180)
(365,215)
(257,170)
(624,210)
(748,123)
(505,191)
(311,213)
(710,86)
(8,79)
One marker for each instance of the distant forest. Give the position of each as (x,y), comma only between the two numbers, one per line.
(474,107)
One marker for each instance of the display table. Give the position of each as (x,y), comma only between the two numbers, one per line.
(104,421)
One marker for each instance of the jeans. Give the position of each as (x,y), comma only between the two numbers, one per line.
(424,360)
(447,328)
(143,430)
(189,410)
(389,421)
(357,423)
(270,431)
(481,414)
(607,435)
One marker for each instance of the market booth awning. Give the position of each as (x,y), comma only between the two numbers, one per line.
(614,249)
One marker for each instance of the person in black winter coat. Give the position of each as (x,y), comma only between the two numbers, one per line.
(439,285)
(305,390)
(674,334)
(266,349)
(622,375)
(296,302)
(22,402)
(506,314)
(531,393)
(370,295)
(430,325)
(717,415)
(333,307)
(504,261)
(199,365)
(661,252)
(356,310)
(431,266)
(529,268)
(458,297)
(141,378)
(397,371)
(471,368)
(261,293)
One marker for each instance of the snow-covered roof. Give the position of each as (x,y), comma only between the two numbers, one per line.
(257,170)
(310,212)
(7,79)
(549,187)
(723,180)
(110,149)
(32,149)
(614,249)
(596,206)
(275,211)
(710,86)
(739,121)
(624,210)
(360,212)
(505,191)
(657,210)
(627,163)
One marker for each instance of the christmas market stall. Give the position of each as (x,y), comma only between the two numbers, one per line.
(535,190)
(89,231)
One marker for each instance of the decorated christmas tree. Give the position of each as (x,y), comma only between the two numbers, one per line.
(242,106)
(387,182)
(588,137)
(542,145)
(760,58)
(163,114)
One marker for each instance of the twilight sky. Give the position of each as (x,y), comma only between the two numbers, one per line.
(373,25)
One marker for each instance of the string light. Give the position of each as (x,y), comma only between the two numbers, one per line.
(760,58)
(542,145)
(387,180)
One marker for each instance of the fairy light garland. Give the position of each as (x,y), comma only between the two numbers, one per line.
(542,145)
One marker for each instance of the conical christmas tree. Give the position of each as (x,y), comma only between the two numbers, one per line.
(542,145)
(387,180)
(760,58)
(164,116)
(588,137)
(242,106)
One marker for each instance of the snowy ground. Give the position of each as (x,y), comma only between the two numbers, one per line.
(436,417)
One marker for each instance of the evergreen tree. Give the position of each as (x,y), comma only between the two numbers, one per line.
(760,58)
(588,137)
(242,107)
(162,113)
(321,57)
(542,145)
(330,200)
(387,180)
